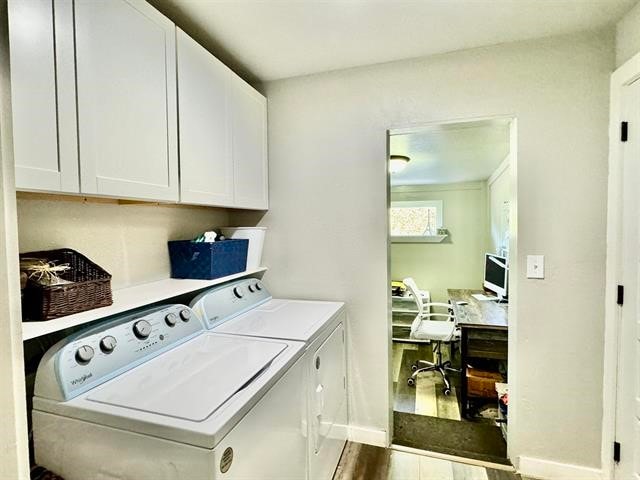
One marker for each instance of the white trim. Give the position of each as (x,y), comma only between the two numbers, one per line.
(624,75)
(453,458)
(14,443)
(369,436)
(548,470)
(435,187)
(503,167)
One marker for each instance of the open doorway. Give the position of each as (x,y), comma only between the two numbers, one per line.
(451,214)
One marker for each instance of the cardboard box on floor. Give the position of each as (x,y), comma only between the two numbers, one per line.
(482,383)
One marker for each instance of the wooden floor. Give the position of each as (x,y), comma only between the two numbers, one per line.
(427,396)
(366,462)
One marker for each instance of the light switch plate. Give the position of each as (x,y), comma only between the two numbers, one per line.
(535,266)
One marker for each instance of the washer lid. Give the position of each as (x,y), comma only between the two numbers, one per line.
(287,319)
(192,381)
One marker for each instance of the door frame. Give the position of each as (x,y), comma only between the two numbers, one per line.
(513,268)
(622,77)
(14,444)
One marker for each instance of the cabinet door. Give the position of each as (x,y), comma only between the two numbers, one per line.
(45,152)
(127,112)
(328,406)
(206,166)
(249,131)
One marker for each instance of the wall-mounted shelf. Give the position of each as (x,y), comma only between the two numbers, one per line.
(129,298)
(416,239)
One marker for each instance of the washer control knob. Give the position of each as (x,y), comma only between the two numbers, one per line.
(171,319)
(84,354)
(142,329)
(252,289)
(238,292)
(108,344)
(258,286)
(185,314)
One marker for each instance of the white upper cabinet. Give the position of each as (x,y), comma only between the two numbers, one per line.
(98,90)
(206,165)
(43,162)
(126,90)
(249,146)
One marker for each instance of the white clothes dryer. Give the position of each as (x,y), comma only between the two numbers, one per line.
(322,327)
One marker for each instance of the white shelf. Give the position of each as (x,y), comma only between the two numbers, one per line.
(127,299)
(419,239)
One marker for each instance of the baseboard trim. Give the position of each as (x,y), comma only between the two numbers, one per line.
(453,458)
(369,436)
(548,470)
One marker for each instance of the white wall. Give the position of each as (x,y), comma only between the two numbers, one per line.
(327,237)
(457,262)
(628,36)
(129,241)
(498,193)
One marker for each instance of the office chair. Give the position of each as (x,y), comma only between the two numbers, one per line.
(427,327)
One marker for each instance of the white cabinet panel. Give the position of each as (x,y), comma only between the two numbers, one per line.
(126,90)
(206,165)
(249,146)
(45,153)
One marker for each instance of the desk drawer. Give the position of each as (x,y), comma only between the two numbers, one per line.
(487,334)
(492,344)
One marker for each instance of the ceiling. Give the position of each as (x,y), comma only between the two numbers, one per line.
(451,153)
(273,39)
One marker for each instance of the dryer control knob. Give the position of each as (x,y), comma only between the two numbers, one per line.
(142,329)
(258,286)
(252,289)
(238,292)
(185,314)
(84,354)
(171,319)
(108,344)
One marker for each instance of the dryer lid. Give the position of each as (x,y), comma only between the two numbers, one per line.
(192,381)
(297,320)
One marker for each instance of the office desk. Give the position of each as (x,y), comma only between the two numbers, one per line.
(483,333)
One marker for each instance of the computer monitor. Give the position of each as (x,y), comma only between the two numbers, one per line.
(496,274)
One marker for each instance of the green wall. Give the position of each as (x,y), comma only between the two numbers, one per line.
(457,262)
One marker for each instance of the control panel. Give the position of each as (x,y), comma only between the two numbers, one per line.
(93,356)
(222,303)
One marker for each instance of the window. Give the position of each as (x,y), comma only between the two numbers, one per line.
(415,220)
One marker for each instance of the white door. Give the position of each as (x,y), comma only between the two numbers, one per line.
(249,130)
(328,406)
(206,166)
(126,87)
(43,161)
(628,394)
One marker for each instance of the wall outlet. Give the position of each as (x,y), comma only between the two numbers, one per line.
(535,266)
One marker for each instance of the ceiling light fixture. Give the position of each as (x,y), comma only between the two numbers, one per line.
(397,163)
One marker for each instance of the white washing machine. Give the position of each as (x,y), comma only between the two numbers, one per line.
(321,326)
(155,396)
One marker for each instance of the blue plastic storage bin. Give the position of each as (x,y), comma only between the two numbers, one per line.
(206,261)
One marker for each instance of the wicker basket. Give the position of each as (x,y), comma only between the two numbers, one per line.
(91,287)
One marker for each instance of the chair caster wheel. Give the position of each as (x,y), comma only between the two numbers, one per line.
(414,368)
(447,391)
(411,382)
